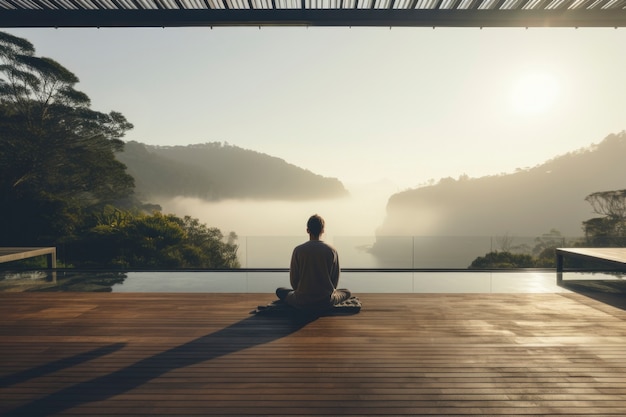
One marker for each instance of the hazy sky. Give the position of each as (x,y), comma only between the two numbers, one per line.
(360,104)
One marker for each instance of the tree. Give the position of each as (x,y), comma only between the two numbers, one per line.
(545,248)
(498,260)
(60,181)
(610,229)
(505,242)
(132,239)
(57,160)
(609,203)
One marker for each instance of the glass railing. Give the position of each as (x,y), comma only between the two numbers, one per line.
(369,252)
(398,264)
(386,252)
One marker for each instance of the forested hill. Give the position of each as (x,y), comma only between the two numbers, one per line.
(215,171)
(525,203)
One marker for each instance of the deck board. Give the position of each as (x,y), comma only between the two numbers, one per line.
(404,354)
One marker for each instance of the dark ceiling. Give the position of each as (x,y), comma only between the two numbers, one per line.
(435,13)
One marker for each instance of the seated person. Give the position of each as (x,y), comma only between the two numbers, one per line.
(314,273)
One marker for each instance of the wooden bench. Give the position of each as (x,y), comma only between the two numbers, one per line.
(16,254)
(615,257)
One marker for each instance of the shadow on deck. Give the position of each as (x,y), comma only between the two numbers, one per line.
(403,354)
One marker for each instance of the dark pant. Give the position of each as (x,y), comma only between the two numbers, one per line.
(282,292)
(340,295)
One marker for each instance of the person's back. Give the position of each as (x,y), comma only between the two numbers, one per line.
(314,273)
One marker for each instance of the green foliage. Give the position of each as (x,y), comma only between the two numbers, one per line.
(126,239)
(57,160)
(60,181)
(608,230)
(542,255)
(546,258)
(503,260)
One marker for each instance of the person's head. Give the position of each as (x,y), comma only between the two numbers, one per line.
(315,226)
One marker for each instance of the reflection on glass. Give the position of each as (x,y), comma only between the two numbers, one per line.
(265,282)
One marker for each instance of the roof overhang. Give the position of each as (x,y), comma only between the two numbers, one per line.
(417,13)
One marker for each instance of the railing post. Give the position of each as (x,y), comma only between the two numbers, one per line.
(559,267)
(52,264)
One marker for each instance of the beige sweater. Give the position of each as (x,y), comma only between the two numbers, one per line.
(314,274)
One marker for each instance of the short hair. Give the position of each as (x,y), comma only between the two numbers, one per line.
(315,225)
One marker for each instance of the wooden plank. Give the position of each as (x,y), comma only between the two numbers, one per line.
(614,255)
(8,254)
(124,354)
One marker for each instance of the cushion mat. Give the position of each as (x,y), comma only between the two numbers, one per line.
(351,306)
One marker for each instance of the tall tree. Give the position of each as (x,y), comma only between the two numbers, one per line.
(57,158)
(610,229)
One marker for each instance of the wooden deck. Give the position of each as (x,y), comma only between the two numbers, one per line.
(95,354)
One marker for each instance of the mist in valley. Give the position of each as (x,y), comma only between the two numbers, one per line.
(358,214)
(268,230)
(444,224)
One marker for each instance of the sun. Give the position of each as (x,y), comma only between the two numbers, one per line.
(535,93)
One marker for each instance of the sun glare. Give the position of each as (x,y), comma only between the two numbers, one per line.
(535,93)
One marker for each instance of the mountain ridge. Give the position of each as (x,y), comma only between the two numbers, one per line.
(218,171)
(528,202)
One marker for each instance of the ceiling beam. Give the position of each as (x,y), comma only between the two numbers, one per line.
(314,17)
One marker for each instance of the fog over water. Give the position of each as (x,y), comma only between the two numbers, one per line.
(358,214)
(268,230)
